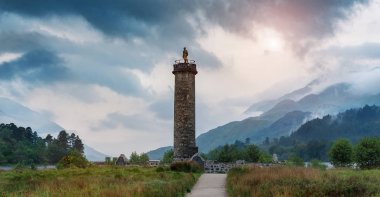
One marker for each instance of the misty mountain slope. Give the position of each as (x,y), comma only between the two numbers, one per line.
(352,124)
(266,105)
(13,112)
(280,109)
(229,133)
(332,100)
(283,126)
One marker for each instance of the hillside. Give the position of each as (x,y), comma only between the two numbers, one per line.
(158,153)
(13,112)
(314,138)
(352,124)
(229,133)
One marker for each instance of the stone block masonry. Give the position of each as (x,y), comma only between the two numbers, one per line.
(184,111)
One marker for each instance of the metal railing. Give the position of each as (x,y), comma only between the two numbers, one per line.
(182,61)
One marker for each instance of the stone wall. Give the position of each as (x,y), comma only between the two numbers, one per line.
(184,111)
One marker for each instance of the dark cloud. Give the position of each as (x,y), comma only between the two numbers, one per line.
(163,108)
(37,66)
(166,22)
(21,42)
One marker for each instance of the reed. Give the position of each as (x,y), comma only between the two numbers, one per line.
(96,181)
(299,181)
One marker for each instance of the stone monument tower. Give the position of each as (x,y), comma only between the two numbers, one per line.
(184,108)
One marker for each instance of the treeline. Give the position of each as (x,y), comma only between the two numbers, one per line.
(365,154)
(23,145)
(230,153)
(239,151)
(314,138)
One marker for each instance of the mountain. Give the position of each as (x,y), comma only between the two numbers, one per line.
(13,112)
(284,115)
(352,124)
(93,155)
(229,133)
(158,153)
(266,105)
(314,138)
(283,126)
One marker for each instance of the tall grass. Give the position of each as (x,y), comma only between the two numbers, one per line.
(299,181)
(96,181)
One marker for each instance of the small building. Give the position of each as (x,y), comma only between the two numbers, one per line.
(121,160)
(274,158)
(240,162)
(154,162)
(198,159)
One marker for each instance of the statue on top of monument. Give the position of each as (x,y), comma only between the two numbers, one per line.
(185,54)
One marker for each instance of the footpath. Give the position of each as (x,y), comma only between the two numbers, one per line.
(210,185)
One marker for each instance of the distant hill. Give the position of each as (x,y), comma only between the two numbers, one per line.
(13,112)
(229,133)
(158,153)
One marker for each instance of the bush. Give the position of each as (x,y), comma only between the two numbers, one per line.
(265,157)
(295,161)
(341,153)
(315,163)
(168,156)
(186,166)
(367,152)
(73,159)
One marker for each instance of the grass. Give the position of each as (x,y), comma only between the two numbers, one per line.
(299,181)
(97,181)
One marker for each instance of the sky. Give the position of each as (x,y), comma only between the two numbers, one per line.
(103,68)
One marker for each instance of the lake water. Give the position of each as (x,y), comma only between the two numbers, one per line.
(7,168)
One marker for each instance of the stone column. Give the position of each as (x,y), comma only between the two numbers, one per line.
(184,111)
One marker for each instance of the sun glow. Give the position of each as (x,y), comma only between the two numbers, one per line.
(271,40)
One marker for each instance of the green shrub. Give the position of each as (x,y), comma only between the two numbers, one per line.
(295,160)
(162,169)
(367,152)
(73,159)
(186,166)
(315,163)
(341,153)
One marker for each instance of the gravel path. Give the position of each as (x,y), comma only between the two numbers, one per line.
(210,185)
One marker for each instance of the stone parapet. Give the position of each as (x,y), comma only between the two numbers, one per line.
(185,67)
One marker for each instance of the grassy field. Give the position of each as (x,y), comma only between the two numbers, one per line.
(292,181)
(96,181)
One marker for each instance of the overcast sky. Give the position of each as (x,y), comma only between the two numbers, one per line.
(103,68)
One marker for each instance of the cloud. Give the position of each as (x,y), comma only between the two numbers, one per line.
(171,23)
(368,50)
(35,67)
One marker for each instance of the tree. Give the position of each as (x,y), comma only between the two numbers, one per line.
(252,153)
(266,141)
(168,156)
(63,142)
(341,153)
(78,145)
(134,158)
(367,152)
(265,157)
(144,159)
